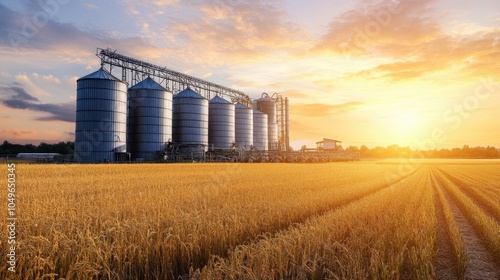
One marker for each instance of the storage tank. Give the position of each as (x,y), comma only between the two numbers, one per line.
(190,120)
(101,117)
(221,118)
(243,126)
(287,125)
(260,139)
(267,105)
(149,121)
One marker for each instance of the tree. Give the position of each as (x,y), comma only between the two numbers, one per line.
(363,150)
(353,149)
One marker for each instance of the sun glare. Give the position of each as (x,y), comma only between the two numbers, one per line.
(405,126)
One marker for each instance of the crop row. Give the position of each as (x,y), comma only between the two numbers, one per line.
(485,225)
(157,221)
(387,235)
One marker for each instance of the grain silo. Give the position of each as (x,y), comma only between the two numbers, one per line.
(149,121)
(267,105)
(190,120)
(287,125)
(260,139)
(243,126)
(101,116)
(220,123)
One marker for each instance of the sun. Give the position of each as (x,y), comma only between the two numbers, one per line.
(407,121)
(405,126)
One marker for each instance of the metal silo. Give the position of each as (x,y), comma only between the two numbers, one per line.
(220,123)
(243,126)
(267,105)
(287,125)
(101,116)
(260,139)
(190,120)
(149,121)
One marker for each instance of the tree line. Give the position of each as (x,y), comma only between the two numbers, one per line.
(7,148)
(394,151)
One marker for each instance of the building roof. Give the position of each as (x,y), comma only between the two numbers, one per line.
(329,140)
(218,99)
(258,112)
(100,74)
(148,83)
(37,155)
(188,93)
(240,106)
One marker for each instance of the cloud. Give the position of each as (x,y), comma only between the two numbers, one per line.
(190,34)
(52,79)
(303,130)
(90,6)
(16,132)
(292,93)
(165,2)
(215,33)
(243,30)
(18,98)
(399,71)
(465,57)
(322,109)
(18,93)
(411,35)
(19,35)
(370,24)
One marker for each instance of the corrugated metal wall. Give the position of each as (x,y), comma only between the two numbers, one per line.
(268,107)
(149,122)
(243,126)
(101,116)
(190,118)
(260,130)
(221,128)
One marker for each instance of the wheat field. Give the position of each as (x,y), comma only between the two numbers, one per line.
(357,220)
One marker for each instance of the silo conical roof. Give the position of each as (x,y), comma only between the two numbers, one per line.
(241,106)
(148,83)
(188,93)
(218,99)
(100,74)
(258,112)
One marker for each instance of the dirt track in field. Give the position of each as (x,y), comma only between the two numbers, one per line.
(481,263)
(485,207)
(446,264)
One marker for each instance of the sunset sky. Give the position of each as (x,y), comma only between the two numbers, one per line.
(420,73)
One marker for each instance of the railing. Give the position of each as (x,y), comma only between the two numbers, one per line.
(134,71)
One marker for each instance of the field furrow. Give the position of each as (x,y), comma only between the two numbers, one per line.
(386,235)
(485,181)
(181,216)
(488,172)
(360,220)
(450,247)
(488,183)
(476,193)
(478,234)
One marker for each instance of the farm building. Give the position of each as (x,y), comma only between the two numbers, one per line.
(38,156)
(328,144)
